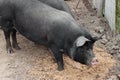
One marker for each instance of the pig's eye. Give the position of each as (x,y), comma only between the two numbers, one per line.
(85,48)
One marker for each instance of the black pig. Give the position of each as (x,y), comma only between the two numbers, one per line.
(48,26)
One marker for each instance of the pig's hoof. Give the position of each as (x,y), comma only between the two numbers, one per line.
(16,47)
(60,68)
(10,50)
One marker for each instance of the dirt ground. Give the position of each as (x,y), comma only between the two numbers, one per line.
(35,62)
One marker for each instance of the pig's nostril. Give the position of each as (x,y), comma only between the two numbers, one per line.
(94,61)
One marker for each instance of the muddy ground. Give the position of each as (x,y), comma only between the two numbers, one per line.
(35,62)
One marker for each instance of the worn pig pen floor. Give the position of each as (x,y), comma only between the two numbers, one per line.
(35,62)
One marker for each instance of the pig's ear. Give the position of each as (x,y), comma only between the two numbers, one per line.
(80,41)
(94,39)
(98,38)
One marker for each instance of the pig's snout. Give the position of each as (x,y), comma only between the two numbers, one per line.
(94,61)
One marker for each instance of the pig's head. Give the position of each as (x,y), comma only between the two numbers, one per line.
(82,51)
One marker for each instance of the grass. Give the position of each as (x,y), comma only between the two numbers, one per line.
(118,16)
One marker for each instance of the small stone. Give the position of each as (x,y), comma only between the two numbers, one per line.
(104,41)
(115,47)
(104,36)
(77,18)
(101,30)
(97,76)
(92,14)
(118,76)
(92,21)
(113,77)
(118,51)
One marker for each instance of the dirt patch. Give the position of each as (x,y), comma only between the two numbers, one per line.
(46,69)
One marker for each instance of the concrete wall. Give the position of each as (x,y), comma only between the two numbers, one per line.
(110,12)
(98,4)
(109,7)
